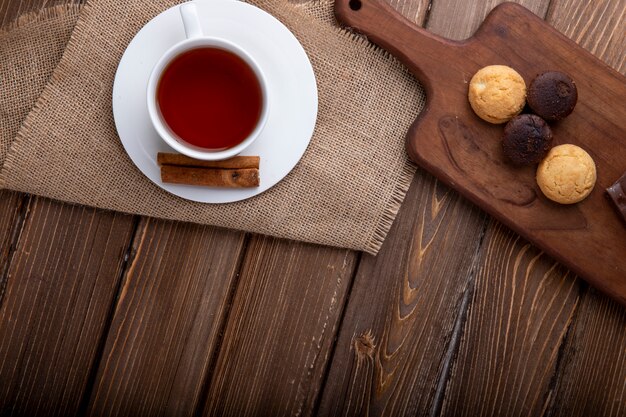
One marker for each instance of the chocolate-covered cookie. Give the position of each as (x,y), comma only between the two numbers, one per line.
(527,139)
(552,95)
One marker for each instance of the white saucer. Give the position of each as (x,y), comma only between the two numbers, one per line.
(290,80)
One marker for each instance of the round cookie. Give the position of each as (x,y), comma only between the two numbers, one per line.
(567,174)
(497,93)
(552,95)
(526,139)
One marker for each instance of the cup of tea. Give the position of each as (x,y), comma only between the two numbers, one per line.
(207,97)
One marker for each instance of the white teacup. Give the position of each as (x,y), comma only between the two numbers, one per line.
(196,39)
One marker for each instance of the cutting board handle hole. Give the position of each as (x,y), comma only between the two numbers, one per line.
(355,4)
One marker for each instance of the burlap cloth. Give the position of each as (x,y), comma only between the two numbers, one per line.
(344,192)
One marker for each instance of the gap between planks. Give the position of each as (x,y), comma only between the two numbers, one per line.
(206,379)
(129,257)
(457,330)
(559,366)
(22,208)
(331,354)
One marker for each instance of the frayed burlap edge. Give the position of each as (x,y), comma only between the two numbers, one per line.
(72,7)
(404,179)
(408,170)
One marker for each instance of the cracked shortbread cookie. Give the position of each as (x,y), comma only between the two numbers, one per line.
(567,174)
(497,93)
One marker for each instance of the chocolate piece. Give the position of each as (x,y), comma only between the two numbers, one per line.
(526,140)
(552,95)
(617,192)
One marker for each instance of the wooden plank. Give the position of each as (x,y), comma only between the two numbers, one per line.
(167,320)
(591,379)
(281,329)
(415,10)
(598,26)
(11,222)
(501,370)
(522,305)
(458,20)
(12,9)
(61,282)
(397,339)
(402,307)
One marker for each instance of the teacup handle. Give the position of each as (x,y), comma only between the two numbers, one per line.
(191,21)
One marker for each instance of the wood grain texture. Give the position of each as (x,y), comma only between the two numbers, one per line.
(417,11)
(598,26)
(522,306)
(281,329)
(458,20)
(396,341)
(391,350)
(12,9)
(591,379)
(61,283)
(10,228)
(167,319)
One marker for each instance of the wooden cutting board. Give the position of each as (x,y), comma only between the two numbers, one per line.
(465,152)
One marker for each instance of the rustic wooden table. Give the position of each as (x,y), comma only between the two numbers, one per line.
(109,314)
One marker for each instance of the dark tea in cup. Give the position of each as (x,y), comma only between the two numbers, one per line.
(210,98)
(207,96)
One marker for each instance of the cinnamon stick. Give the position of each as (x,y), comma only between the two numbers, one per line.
(234,178)
(237,162)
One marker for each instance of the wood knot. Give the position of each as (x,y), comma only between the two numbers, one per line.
(364,345)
